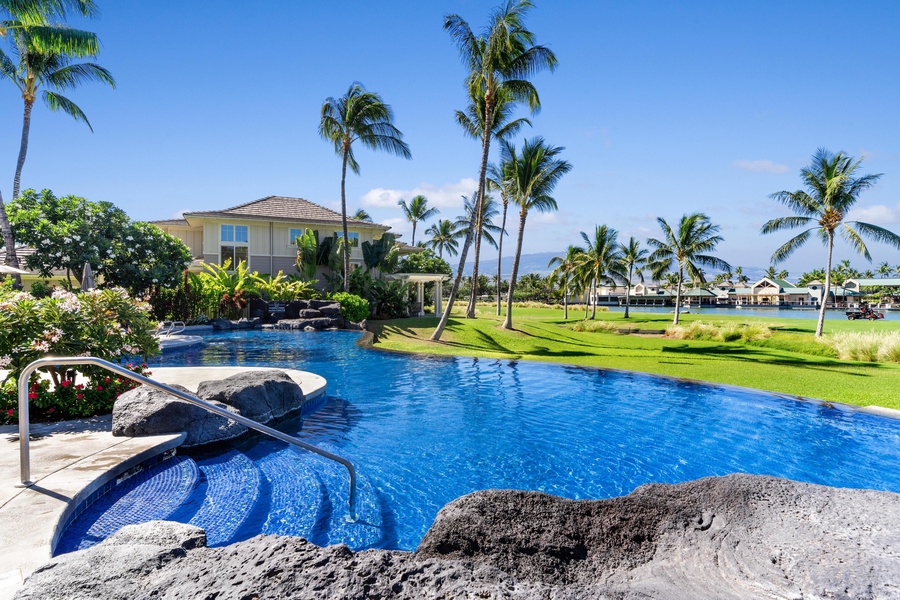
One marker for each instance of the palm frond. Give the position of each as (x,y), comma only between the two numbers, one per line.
(789,247)
(56,101)
(782,223)
(71,76)
(853,237)
(878,234)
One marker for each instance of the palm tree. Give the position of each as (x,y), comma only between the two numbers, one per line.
(488,212)
(497,182)
(633,261)
(443,237)
(770,272)
(359,116)
(884,269)
(783,274)
(832,188)
(504,127)
(600,263)
(739,275)
(33,20)
(686,248)
(502,58)
(564,273)
(362,215)
(417,210)
(533,175)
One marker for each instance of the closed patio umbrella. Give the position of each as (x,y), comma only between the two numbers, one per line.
(87,277)
(11,270)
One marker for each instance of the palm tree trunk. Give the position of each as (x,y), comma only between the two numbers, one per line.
(627,292)
(454,289)
(507,324)
(500,253)
(23,148)
(413,243)
(593,299)
(566,299)
(678,294)
(820,326)
(9,241)
(479,202)
(344,219)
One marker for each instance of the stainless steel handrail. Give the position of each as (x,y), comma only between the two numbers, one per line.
(49,361)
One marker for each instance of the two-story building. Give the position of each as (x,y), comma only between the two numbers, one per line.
(264,232)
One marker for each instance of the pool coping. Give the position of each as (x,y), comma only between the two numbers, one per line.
(34,517)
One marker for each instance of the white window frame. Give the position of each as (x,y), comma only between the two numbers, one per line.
(233,244)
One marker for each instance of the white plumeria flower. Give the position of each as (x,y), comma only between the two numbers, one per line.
(129,238)
(155,280)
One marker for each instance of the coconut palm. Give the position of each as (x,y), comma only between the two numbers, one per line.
(633,261)
(488,212)
(739,275)
(33,21)
(600,263)
(496,182)
(783,274)
(832,188)
(417,210)
(884,269)
(686,248)
(360,116)
(532,175)
(443,237)
(504,127)
(564,273)
(362,215)
(502,58)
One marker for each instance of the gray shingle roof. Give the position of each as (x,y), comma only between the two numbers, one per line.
(282,208)
(173,222)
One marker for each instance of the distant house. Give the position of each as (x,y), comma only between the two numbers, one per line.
(263,232)
(772,291)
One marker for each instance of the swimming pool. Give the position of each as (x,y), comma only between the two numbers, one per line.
(425,430)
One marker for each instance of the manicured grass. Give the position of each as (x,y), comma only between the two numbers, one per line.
(790,362)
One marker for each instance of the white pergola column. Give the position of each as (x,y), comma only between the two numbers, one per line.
(438,297)
(420,297)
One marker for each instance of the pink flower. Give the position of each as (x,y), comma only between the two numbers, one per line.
(51,409)
(10,412)
(99,388)
(79,396)
(66,383)
(32,395)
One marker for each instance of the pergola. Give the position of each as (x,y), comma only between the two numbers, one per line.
(420,279)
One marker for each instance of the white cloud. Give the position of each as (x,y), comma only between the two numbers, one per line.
(878,214)
(448,195)
(759,166)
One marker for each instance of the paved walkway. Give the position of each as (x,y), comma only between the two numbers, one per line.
(70,461)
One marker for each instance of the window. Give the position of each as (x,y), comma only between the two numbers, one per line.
(354,237)
(295,233)
(234,244)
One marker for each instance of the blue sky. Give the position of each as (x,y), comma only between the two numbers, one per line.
(664,108)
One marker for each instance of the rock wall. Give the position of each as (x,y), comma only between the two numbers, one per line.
(740,536)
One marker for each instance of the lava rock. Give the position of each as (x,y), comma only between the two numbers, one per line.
(739,536)
(361,326)
(149,411)
(292,309)
(310,313)
(318,304)
(221,324)
(331,310)
(259,395)
(318,324)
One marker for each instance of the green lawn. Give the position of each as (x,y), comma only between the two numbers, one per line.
(790,362)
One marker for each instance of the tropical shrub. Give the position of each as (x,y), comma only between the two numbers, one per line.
(307,246)
(41,289)
(389,299)
(69,399)
(282,288)
(353,308)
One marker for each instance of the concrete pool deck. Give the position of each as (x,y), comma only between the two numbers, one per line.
(71,460)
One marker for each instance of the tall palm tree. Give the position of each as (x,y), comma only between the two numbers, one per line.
(533,175)
(633,261)
(884,269)
(686,248)
(504,127)
(496,181)
(360,116)
(488,212)
(783,274)
(443,237)
(35,21)
(362,215)
(417,210)
(564,273)
(832,188)
(600,263)
(502,58)
(35,72)
(770,272)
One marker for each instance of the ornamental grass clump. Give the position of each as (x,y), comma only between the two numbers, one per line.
(592,326)
(732,332)
(871,346)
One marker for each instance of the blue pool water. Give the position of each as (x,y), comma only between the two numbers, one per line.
(423,431)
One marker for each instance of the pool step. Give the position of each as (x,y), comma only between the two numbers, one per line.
(155,493)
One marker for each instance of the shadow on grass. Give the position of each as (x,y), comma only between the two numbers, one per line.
(749,354)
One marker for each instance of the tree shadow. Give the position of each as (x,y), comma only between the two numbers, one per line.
(752,355)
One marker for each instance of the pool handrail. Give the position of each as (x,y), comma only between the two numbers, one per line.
(51,361)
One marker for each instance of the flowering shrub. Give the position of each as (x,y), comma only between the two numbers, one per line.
(68,400)
(105,323)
